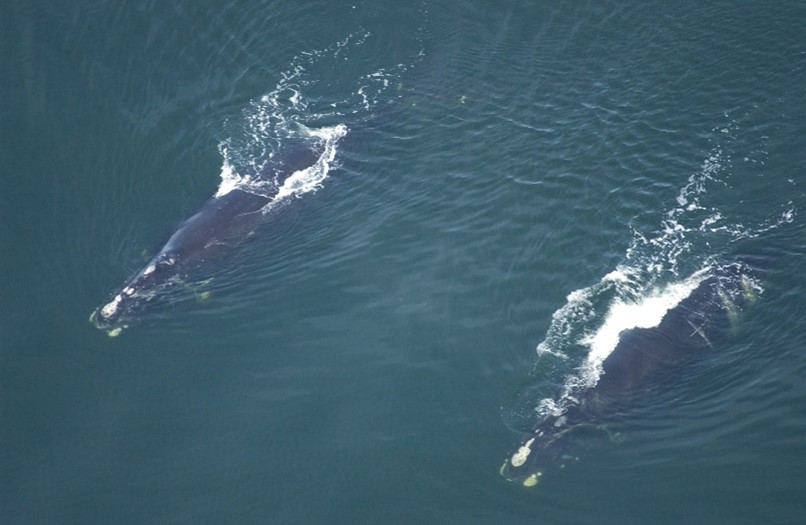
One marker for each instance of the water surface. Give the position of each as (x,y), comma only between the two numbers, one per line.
(372,354)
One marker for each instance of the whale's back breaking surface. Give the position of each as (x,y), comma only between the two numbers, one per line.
(217,221)
(222,222)
(682,334)
(641,358)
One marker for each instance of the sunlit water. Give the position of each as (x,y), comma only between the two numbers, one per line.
(511,178)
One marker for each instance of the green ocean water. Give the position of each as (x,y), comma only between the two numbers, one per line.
(370,354)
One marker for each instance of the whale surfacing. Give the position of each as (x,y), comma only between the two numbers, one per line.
(223,221)
(692,327)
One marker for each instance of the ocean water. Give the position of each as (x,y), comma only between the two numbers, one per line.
(513,177)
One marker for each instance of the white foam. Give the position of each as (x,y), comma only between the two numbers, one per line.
(230,179)
(570,323)
(693,233)
(276,118)
(312,177)
(300,182)
(623,315)
(645,311)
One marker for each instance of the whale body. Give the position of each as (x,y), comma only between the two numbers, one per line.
(639,359)
(223,221)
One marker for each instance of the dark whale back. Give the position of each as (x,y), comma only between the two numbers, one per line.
(641,358)
(223,221)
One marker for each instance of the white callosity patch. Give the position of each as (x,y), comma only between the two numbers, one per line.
(520,457)
(111,307)
(532,480)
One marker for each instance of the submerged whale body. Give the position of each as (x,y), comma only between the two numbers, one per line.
(638,360)
(223,221)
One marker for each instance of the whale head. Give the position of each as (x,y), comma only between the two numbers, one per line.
(547,448)
(116,315)
(537,453)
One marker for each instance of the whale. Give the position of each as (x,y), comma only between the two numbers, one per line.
(641,362)
(225,220)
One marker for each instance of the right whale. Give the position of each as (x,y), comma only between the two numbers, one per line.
(694,325)
(224,221)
